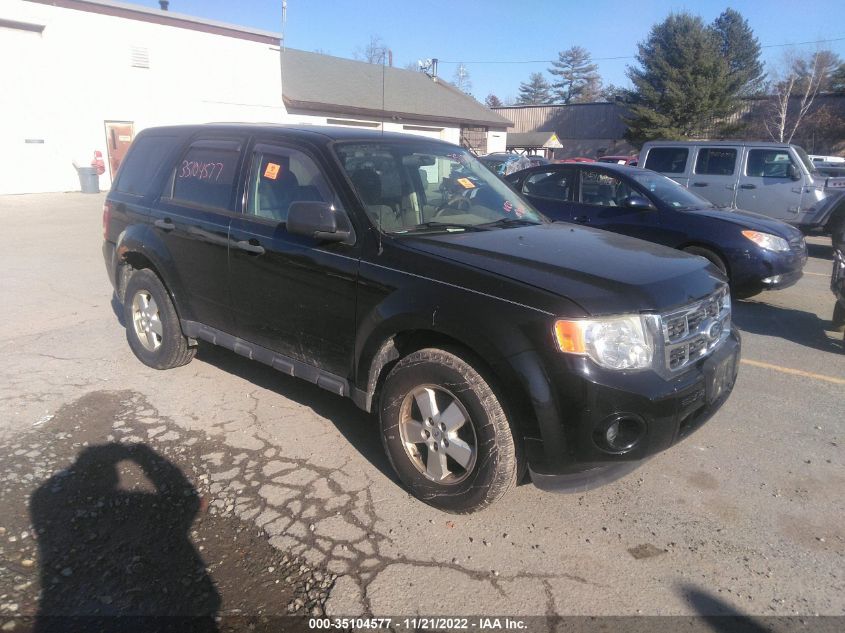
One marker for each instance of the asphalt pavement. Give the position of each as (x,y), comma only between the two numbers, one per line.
(744,517)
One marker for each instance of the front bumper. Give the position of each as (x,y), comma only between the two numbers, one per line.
(757,269)
(670,410)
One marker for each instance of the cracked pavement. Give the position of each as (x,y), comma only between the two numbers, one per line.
(743,517)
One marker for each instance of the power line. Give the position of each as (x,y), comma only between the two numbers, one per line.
(606,59)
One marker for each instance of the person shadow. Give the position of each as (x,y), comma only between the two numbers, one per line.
(118,559)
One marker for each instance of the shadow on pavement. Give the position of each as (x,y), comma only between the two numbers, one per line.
(820,251)
(721,617)
(114,546)
(798,326)
(359,428)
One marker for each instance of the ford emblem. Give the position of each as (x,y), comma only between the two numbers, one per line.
(715,330)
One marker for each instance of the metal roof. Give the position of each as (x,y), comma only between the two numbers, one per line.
(326,84)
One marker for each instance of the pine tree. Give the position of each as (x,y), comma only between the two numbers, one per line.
(492,101)
(682,83)
(742,52)
(578,79)
(535,91)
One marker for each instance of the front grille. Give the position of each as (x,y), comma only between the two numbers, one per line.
(694,331)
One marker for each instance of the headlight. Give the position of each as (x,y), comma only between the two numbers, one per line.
(622,342)
(767,240)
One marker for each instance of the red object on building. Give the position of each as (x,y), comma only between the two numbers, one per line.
(98,163)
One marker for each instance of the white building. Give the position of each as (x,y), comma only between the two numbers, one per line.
(80,76)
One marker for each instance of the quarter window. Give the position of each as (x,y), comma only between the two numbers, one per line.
(667,160)
(143,162)
(715,161)
(768,163)
(206,174)
(280,177)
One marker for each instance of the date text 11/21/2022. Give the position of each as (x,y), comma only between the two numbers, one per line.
(420,623)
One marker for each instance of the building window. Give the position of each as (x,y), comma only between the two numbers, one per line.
(474,138)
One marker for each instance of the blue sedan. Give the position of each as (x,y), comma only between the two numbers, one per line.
(755,252)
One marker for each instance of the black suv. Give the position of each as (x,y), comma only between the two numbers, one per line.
(400,272)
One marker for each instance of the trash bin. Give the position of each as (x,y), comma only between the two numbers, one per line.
(89,180)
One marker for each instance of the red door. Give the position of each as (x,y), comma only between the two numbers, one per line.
(119,135)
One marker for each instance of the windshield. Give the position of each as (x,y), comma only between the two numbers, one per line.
(411,186)
(804,158)
(668,191)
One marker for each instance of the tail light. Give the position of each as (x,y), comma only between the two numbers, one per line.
(106,219)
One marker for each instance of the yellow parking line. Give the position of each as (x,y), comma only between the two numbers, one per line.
(794,372)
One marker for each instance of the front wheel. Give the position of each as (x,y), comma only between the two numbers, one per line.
(446,433)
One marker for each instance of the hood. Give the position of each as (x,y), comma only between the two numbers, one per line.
(748,220)
(604,273)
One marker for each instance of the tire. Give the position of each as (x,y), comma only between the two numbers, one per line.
(476,461)
(148,310)
(838,320)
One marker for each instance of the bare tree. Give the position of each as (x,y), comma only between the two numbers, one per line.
(375,52)
(800,79)
(461,79)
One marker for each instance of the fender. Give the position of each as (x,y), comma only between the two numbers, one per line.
(143,240)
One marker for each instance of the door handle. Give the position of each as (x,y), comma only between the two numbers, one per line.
(250,247)
(748,186)
(699,184)
(165,224)
(582,218)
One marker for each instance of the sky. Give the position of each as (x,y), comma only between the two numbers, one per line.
(485,33)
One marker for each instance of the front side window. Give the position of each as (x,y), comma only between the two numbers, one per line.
(408,186)
(768,163)
(206,174)
(715,161)
(282,176)
(603,189)
(667,160)
(552,184)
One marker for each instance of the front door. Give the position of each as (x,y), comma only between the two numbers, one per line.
(714,175)
(291,293)
(601,204)
(119,135)
(766,186)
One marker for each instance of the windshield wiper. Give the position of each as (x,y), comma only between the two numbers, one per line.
(508,222)
(436,225)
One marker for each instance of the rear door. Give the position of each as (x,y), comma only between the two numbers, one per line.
(192,219)
(290,293)
(765,185)
(551,191)
(715,174)
(671,161)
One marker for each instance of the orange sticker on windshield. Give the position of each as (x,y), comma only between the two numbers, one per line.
(272,171)
(466,183)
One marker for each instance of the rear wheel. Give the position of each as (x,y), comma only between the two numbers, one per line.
(446,432)
(152,326)
(838,319)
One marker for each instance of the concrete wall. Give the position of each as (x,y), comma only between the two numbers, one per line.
(60,86)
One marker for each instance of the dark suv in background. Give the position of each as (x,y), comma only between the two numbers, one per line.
(401,273)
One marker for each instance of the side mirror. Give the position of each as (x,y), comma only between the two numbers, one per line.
(639,203)
(792,172)
(319,220)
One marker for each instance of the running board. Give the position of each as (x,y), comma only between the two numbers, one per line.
(280,362)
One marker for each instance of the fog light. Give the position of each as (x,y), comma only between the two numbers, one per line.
(773,280)
(619,433)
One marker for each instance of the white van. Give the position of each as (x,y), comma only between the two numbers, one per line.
(774,179)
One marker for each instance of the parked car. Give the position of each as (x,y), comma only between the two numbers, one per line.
(757,253)
(837,283)
(827,159)
(619,160)
(500,162)
(400,272)
(575,159)
(775,179)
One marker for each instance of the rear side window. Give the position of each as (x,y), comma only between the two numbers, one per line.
(205,175)
(667,160)
(143,162)
(768,163)
(715,161)
(557,185)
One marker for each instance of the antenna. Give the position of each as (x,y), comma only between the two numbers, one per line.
(284,20)
(383,110)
